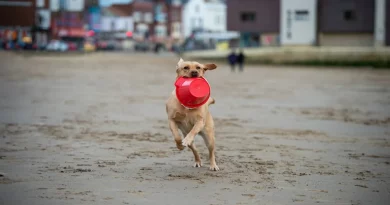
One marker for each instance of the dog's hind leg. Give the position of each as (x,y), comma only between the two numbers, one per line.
(209,139)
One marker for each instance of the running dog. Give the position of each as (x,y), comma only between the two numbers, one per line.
(192,121)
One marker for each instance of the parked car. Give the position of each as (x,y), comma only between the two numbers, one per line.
(88,46)
(128,45)
(101,45)
(142,46)
(72,46)
(106,45)
(57,45)
(28,44)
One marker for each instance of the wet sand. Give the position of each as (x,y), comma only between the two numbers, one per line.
(92,129)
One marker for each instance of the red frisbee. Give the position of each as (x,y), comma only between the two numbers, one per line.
(192,92)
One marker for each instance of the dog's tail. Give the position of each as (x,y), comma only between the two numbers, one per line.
(211,101)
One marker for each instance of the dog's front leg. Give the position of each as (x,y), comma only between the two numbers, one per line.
(176,135)
(194,131)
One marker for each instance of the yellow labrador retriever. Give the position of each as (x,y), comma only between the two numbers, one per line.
(192,121)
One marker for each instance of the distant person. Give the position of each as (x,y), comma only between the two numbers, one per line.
(232,59)
(157,48)
(241,60)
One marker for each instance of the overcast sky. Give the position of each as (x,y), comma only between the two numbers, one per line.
(109,2)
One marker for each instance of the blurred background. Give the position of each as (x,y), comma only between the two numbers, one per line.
(186,25)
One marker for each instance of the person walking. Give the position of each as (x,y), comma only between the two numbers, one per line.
(241,60)
(232,59)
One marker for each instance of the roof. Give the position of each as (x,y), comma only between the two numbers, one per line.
(120,9)
(117,11)
(142,5)
(206,1)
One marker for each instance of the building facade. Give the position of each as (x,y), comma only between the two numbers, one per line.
(203,15)
(257,21)
(142,15)
(116,24)
(17,13)
(41,30)
(310,22)
(174,17)
(93,16)
(387,23)
(17,19)
(346,23)
(157,20)
(68,20)
(215,16)
(297,16)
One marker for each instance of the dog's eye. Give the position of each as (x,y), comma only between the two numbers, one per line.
(197,67)
(186,68)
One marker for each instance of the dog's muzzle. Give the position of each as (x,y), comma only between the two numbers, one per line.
(194,74)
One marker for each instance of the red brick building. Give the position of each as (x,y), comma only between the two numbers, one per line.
(16,17)
(19,18)
(142,13)
(17,13)
(156,18)
(174,18)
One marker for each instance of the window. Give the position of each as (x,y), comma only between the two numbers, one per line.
(176,27)
(175,16)
(137,16)
(148,17)
(40,3)
(142,28)
(248,16)
(161,31)
(176,2)
(217,20)
(129,26)
(197,8)
(54,5)
(112,25)
(349,15)
(301,15)
(193,23)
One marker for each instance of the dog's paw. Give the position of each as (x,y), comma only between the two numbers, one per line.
(214,168)
(179,146)
(197,164)
(186,142)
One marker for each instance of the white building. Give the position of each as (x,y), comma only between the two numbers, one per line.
(207,15)
(380,23)
(297,16)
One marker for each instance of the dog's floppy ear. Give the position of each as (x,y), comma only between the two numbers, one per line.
(210,66)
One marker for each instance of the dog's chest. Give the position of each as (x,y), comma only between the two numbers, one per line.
(185,121)
(185,127)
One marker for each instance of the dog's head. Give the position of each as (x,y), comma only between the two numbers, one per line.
(191,69)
